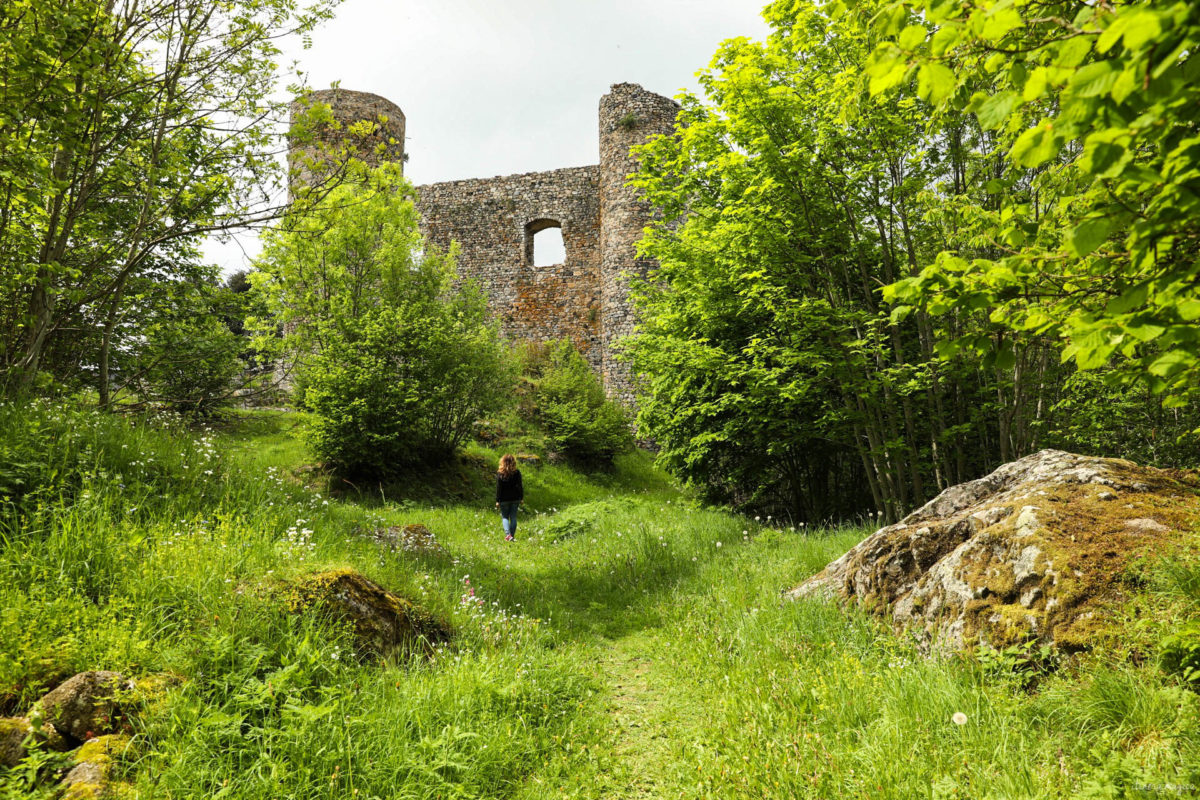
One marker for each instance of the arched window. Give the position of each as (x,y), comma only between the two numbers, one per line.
(544,243)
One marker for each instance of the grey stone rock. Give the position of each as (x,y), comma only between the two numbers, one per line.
(985,560)
(86,705)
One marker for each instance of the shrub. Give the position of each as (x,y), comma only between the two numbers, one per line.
(406,388)
(579,419)
(193,364)
(396,359)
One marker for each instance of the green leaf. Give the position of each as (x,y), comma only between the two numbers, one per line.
(1189,310)
(944,40)
(912,37)
(1103,157)
(994,112)
(1090,234)
(1036,146)
(1000,22)
(1129,300)
(1145,333)
(1095,79)
(1171,363)
(935,82)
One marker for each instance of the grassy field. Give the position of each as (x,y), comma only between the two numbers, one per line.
(629,644)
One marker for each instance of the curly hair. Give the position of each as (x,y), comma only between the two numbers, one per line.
(508,465)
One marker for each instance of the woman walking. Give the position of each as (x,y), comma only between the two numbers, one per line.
(509,494)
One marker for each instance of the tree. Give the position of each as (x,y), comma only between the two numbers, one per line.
(580,420)
(129,130)
(774,375)
(1090,231)
(795,204)
(396,357)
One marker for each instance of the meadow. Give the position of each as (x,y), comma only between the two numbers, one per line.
(631,643)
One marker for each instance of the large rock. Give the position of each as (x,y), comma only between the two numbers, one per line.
(382,622)
(12,740)
(92,775)
(86,705)
(1039,549)
(13,734)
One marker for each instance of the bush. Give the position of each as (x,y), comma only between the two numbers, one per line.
(193,364)
(396,359)
(578,417)
(407,387)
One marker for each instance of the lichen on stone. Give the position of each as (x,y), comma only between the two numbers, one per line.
(382,622)
(1035,551)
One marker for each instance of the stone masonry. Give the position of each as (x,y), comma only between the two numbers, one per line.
(493,220)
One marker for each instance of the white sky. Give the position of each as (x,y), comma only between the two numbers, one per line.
(496,88)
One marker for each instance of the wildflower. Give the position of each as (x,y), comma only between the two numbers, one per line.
(959,718)
(718,544)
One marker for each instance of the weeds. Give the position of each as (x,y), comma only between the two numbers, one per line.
(741,694)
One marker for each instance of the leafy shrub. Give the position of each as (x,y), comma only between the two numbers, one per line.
(397,359)
(193,363)
(578,417)
(406,388)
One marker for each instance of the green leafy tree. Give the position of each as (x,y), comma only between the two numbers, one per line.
(1089,232)
(579,419)
(773,375)
(129,131)
(398,359)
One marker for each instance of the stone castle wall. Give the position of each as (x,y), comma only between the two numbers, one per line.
(494,220)
(323,149)
(586,298)
(629,115)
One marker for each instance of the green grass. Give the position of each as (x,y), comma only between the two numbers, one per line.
(630,643)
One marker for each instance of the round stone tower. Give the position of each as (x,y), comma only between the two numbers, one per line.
(311,151)
(629,115)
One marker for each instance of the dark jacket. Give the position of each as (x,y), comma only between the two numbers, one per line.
(509,488)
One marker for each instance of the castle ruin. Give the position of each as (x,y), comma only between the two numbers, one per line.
(585,298)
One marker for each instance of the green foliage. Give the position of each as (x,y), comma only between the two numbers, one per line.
(1180,654)
(56,453)
(131,132)
(777,374)
(1087,233)
(396,359)
(189,360)
(579,419)
(406,387)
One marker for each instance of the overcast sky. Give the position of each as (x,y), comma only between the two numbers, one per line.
(496,87)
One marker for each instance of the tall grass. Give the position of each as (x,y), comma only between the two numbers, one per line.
(616,580)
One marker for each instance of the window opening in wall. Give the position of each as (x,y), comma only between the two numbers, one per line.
(544,243)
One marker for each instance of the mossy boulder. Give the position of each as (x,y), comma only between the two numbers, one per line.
(413,538)
(86,705)
(383,623)
(92,775)
(1041,549)
(13,732)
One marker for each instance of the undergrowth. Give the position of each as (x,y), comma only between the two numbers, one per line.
(141,546)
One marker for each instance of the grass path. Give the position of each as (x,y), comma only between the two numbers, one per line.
(649,719)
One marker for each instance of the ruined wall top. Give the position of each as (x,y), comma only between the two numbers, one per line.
(381,141)
(494,220)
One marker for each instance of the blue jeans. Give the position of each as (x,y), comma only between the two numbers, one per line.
(508,516)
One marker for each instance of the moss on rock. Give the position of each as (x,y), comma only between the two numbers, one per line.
(1039,550)
(383,623)
(92,776)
